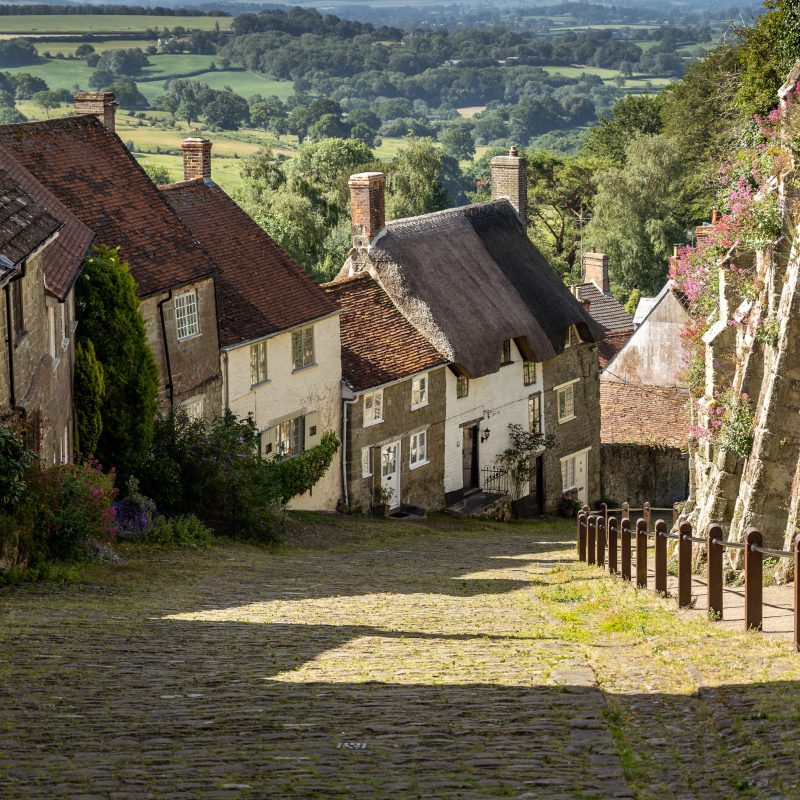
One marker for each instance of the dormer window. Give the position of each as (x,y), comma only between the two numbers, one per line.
(505,355)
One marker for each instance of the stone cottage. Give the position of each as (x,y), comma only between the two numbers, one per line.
(278,331)
(645,410)
(88,168)
(42,250)
(520,348)
(394,412)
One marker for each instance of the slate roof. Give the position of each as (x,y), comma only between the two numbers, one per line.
(605,309)
(24,225)
(261,289)
(610,345)
(379,344)
(91,171)
(469,278)
(643,415)
(63,258)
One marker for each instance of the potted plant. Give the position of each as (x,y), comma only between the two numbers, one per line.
(381,500)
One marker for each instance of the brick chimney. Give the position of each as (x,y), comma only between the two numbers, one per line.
(367,206)
(196,158)
(595,270)
(102,105)
(510,180)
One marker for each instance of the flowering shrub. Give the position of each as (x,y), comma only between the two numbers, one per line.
(568,505)
(134,512)
(730,421)
(73,505)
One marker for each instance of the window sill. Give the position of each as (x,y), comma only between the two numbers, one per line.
(418,464)
(189,337)
(64,344)
(20,338)
(374,422)
(562,420)
(419,405)
(56,362)
(260,383)
(506,363)
(300,369)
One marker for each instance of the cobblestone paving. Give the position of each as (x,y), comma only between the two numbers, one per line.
(445,665)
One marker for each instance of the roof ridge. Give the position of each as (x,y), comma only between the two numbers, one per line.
(448,211)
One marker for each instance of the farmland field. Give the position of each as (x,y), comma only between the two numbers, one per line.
(36,24)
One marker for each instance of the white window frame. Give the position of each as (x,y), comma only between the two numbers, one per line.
(568,391)
(303,355)
(418,449)
(195,408)
(533,400)
(187,319)
(374,414)
(366,462)
(419,388)
(258,363)
(284,436)
(567,463)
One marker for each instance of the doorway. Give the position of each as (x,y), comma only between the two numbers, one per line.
(390,472)
(470,461)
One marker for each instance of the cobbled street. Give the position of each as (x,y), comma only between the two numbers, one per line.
(447,662)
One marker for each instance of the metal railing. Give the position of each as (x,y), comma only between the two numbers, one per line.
(599,533)
(495,481)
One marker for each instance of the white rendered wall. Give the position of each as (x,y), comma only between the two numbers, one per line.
(288,393)
(500,399)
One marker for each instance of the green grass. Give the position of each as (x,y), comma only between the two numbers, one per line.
(68,48)
(224,171)
(58,73)
(104,23)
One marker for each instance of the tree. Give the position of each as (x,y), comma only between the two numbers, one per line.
(83,50)
(127,93)
(108,308)
(415,180)
(158,174)
(89,389)
(227,111)
(188,108)
(639,215)
(458,141)
(47,101)
(634,114)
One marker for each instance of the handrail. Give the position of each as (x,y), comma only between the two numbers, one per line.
(769,551)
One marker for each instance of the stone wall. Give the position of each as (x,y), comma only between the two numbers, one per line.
(638,474)
(422,486)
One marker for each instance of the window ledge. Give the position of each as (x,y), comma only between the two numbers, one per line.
(56,362)
(374,422)
(64,344)
(418,464)
(419,405)
(189,337)
(562,420)
(260,383)
(19,338)
(300,369)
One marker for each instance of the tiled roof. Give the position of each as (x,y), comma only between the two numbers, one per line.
(63,258)
(605,309)
(608,347)
(24,225)
(91,171)
(379,344)
(643,415)
(262,289)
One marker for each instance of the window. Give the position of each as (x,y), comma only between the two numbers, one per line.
(194,408)
(462,386)
(16,302)
(258,363)
(419,392)
(418,450)
(535,413)
(505,357)
(566,401)
(572,337)
(568,473)
(373,408)
(63,331)
(366,462)
(529,372)
(289,436)
(303,348)
(186,320)
(51,324)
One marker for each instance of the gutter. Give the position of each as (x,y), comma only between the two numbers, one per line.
(170,387)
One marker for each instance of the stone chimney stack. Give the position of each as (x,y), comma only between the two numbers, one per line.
(196,158)
(510,180)
(367,206)
(102,105)
(595,270)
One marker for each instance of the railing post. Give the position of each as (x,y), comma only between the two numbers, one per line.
(797,592)
(626,510)
(641,554)
(604,506)
(591,527)
(714,562)
(685,567)
(601,543)
(753,580)
(581,536)
(612,545)
(626,549)
(661,557)
(647,509)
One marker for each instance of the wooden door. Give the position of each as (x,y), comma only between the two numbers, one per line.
(390,471)
(469,456)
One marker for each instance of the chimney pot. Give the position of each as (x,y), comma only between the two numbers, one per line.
(367,206)
(676,250)
(595,270)
(102,105)
(714,217)
(196,158)
(510,180)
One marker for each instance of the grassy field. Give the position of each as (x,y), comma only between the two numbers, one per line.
(36,24)
(56,46)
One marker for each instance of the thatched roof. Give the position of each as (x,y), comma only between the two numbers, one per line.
(469,278)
